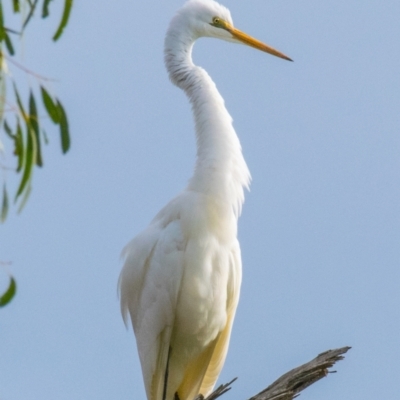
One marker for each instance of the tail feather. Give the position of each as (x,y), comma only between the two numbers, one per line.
(194,374)
(218,358)
(159,382)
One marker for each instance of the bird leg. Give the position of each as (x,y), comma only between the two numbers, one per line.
(166,378)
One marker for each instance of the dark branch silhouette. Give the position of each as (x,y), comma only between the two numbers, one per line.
(289,385)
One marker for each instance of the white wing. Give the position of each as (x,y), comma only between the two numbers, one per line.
(180,284)
(149,284)
(221,348)
(202,373)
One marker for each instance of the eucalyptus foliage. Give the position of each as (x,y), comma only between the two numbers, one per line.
(25,131)
(8,295)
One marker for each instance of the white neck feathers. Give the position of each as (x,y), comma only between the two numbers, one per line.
(220,170)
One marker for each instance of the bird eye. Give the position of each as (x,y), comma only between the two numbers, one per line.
(218,22)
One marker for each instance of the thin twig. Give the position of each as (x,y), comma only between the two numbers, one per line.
(31,11)
(28,71)
(13,31)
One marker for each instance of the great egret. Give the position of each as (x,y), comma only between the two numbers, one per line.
(181,278)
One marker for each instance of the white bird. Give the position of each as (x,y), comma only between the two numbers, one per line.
(181,279)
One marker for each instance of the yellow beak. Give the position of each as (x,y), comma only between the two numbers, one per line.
(250,41)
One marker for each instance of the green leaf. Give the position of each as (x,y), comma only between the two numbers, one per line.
(9,293)
(16,6)
(58,116)
(45,137)
(2,30)
(8,130)
(64,19)
(25,198)
(19,102)
(2,92)
(4,206)
(34,125)
(64,130)
(19,146)
(50,106)
(29,160)
(45,9)
(9,44)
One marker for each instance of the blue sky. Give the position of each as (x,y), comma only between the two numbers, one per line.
(320,228)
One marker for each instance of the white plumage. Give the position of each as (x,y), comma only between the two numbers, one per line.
(181,278)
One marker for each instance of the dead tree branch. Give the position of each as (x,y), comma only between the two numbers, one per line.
(289,385)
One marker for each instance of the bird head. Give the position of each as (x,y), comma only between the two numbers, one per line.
(207,18)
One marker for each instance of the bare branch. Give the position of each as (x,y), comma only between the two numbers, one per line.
(289,385)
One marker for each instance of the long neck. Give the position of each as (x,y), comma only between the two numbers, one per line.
(220,169)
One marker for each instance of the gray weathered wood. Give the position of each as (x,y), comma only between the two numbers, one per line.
(289,385)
